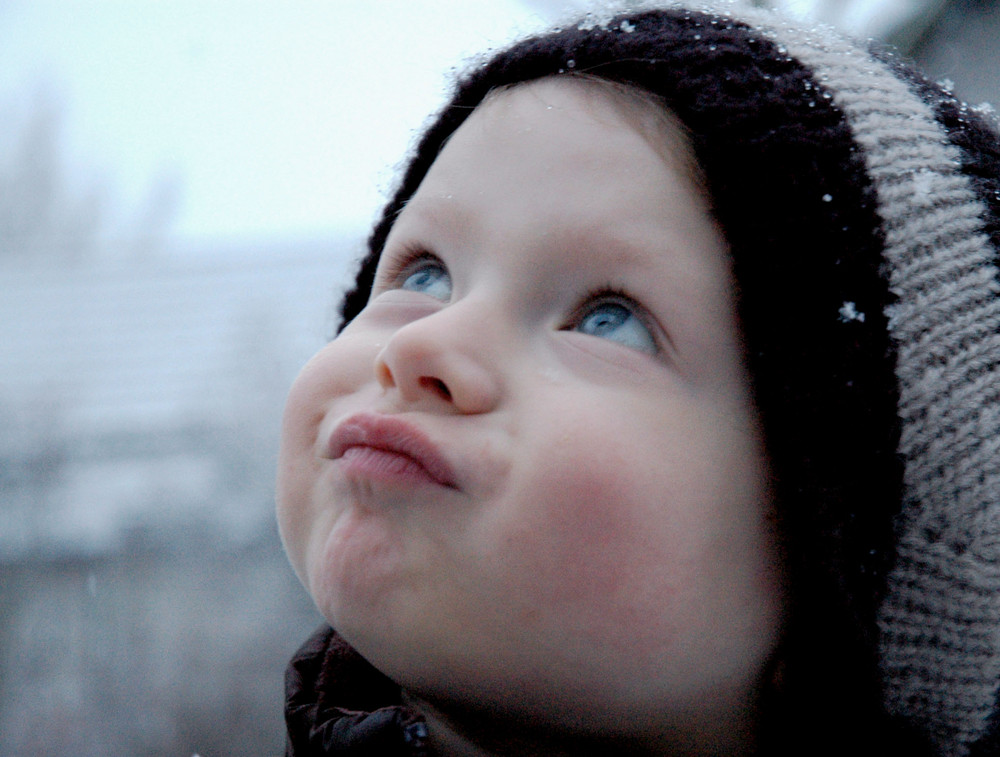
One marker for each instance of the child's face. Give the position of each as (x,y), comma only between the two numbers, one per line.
(528,475)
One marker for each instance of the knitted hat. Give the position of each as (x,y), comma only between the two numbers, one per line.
(861,204)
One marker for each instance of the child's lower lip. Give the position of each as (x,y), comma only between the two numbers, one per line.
(385,465)
(387,448)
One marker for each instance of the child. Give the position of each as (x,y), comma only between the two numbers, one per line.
(663,418)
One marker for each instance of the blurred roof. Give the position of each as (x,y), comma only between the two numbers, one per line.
(142,343)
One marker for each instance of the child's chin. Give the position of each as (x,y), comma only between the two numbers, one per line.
(354,574)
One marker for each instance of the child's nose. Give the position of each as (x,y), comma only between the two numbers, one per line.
(439,359)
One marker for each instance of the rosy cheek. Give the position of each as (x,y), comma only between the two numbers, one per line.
(585,553)
(338,369)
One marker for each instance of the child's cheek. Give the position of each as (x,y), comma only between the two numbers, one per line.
(297,469)
(305,507)
(588,559)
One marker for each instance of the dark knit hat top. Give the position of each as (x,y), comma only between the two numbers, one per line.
(861,204)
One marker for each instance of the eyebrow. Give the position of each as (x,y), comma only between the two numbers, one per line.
(615,248)
(437,212)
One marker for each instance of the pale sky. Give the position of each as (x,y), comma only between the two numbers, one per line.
(273,118)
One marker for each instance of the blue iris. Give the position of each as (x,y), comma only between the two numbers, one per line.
(617,322)
(429,277)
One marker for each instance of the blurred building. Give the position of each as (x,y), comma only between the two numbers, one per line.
(146,606)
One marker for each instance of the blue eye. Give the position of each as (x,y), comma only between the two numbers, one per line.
(428,277)
(619,323)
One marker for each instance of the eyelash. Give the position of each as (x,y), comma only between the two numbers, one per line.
(401,262)
(607,293)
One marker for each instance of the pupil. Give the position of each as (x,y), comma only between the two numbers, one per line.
(607,318)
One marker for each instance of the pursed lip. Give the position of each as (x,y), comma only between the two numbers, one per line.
(388,434)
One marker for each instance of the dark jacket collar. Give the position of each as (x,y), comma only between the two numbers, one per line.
(336,703)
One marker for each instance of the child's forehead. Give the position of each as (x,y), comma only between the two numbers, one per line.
(607,103)
(568,138)
(573,147)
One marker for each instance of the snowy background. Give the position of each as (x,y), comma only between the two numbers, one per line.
(183,188)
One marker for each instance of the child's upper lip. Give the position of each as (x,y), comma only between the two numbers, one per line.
(393,434)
